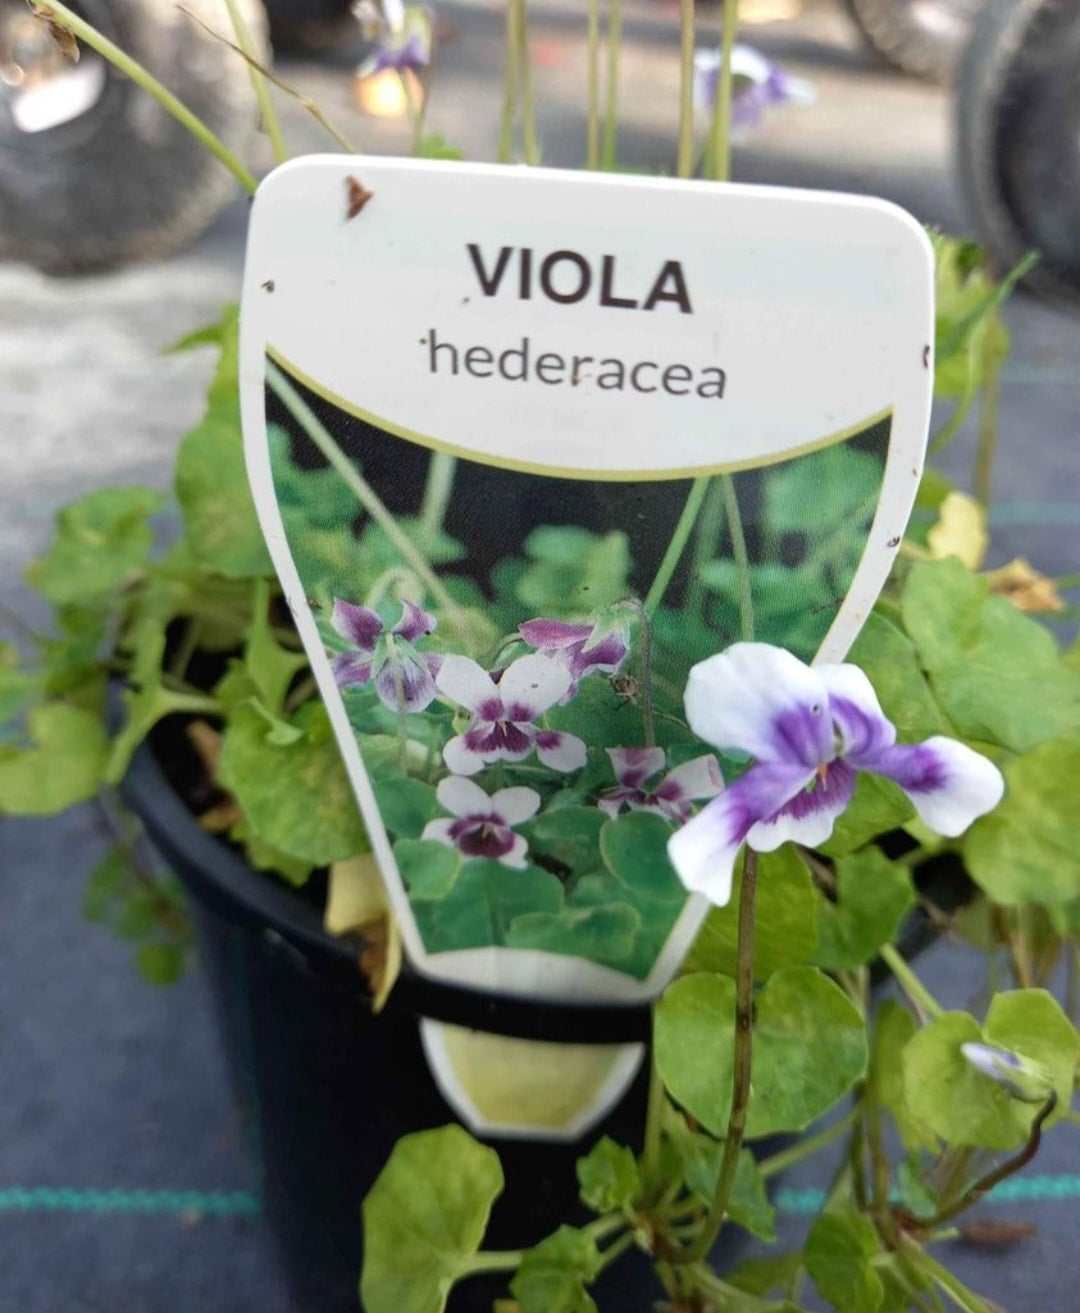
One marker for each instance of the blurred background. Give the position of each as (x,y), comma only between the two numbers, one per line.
(124,1178)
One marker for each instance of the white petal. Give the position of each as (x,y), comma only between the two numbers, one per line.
(533,683)
(516,856)
(460,757)
(855,710)
(807,818)
(461,797)
(515,805)
(761,700)
(564,752)
(699,778)
(466,683)
(950,784)
(438,830)
(703,855)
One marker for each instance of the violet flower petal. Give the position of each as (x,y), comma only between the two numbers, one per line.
(562,752)
(548,635)
(404,683)
(463,681)
(415,622)
(809,816)
(461,797)
(359,624)
(532,685)
(516,805)
(633,766)
(949,784)
(350,668)
(859,723)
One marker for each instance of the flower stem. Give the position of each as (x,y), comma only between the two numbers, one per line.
(528,106)
(90,36)
(966,1300)
(706,543)
(741,1065)
(806,1148)
(362,490)
(490,1260)
(948,430)
(677,545)
(437,492)
(259,83)
(910,983)
(718,153)
(654,1118)
(685,166)
(510,88)
(592,112)
(988,423)
(742,560)
(611,108)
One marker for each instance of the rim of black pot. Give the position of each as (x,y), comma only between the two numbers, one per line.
(222,880)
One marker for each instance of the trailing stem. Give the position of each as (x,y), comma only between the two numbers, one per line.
(592,110)
(437,492)
(741,557)
(510,88)
(676,546)
(909,982)
(530,142)
(611,107)
(685,166)
(741,1065)
(718,150)
(259,82)
(91,37)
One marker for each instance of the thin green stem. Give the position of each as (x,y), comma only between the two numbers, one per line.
(90,36)
(490,1260)
(259,82)
(910,983)
(615,1251)
(677,545)
(685,164)
(362,490)
(706,544)
(654,1119)
(437,493)
(966,1300)
(605,1226)
(949,429)
(741,1064)
(609,150)
(528,107)
(592,110)
(718,153)
(742,559)
(806,1148)
(986,449)
(510,88)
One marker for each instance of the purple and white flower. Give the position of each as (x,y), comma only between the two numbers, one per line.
(757,83)
(1024,1078)
(483,825)
(810,731)
(403,37)
(502,727)
(403,678)
(672,797)
(598,647)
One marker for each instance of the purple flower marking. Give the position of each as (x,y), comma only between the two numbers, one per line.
(410,53)
(672,797)
(502,727)
(402,677)
(810,730)
(584,648)
(484,825)
(758,83)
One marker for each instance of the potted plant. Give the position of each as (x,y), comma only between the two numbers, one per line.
(174,677)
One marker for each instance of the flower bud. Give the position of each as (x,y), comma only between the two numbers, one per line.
(1024,1078)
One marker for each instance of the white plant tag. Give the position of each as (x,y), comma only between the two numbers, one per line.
(525,446)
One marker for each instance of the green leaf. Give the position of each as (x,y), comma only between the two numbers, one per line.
(270,666)
(890,661)
(405,805)
(785,934)
(809,1048)
(17,688)
(568,835)
(484,901)
(762,1276)
(944,1091)
(553,1275)
(877,807)
(427,868)
(894,1027)
(749,1206)
(839,1255)
(265,857)
(211,480)
(573,571)
(102,542)
(1028,849)
(296,796)
(608,1176)
(634,849)
(424,1219)
(160,964)
(997,673)
(599,934)
(64,764)
(873,897)
(822,491)
(433,147)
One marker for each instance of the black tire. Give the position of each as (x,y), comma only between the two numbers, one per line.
(1019,138)
(923,37)
(121,180)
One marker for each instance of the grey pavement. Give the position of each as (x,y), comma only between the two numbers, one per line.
(106,1084)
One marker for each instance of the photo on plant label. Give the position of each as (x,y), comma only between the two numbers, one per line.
(511,646)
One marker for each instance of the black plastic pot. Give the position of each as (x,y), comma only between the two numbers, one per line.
(328,1087)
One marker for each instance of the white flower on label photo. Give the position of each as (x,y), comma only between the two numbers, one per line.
(671,797)
(483,826)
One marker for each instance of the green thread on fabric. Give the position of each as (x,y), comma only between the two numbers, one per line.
(1031,1189)
(64,1199)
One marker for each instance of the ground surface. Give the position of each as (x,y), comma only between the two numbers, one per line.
(106,1085)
